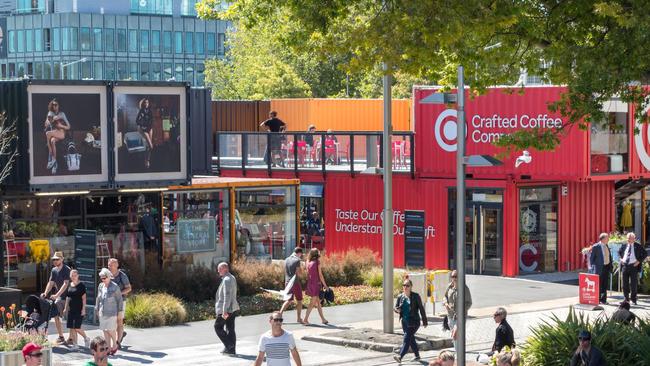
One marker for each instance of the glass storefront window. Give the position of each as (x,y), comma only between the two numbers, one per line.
(56,39)
(178,72)
(121,70)
(196,228)
(167,71)
(312,214)
(538,219)
(29,222)
(133,71)
(144,71)
(110,70)
(265,221)
(609,144)
(21,41)
(70,39)
(155,71)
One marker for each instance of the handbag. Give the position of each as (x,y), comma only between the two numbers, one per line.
(326,296)
(445,323)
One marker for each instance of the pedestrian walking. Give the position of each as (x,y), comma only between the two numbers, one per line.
(504,335)
(451,303)
(600,260)
(122,281)
(293,267)
(109,303)
(632,254)
(227,309)
(32,354)
(59,281)
(315,283)
(445,358)
(411,311)
(276,344)
(75,309)
(100,351)
(623,314)
(586,354)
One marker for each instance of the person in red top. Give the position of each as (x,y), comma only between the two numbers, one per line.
(32,354)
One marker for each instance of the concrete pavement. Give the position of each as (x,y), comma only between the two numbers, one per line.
(528,303)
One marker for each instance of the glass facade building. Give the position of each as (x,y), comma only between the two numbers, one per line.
(116,40)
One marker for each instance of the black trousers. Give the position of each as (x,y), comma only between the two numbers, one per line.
(604,282)
(630,279)
(225,329)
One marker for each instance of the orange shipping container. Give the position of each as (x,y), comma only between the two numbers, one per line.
(341,114)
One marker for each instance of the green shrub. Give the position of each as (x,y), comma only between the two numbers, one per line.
(154,310)
(374,277)
(554,341)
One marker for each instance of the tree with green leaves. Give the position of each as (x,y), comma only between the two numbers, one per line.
(597,49)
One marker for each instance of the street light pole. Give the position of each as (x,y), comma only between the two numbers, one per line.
(460,219)
(62,65)
(387,224)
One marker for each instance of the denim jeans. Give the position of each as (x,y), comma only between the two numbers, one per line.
(409,339)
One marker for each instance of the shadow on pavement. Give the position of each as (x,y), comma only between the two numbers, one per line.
(245,357)
(326,326)
(143,353)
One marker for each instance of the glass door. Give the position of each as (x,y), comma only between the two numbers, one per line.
(491,240)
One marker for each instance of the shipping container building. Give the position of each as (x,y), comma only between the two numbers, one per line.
(531,216)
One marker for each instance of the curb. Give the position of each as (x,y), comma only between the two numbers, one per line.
(424,343)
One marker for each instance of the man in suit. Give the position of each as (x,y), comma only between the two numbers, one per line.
(601,264)
(227,309)
(632,255)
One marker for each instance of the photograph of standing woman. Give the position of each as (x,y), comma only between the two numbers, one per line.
(56,125)
(145,124)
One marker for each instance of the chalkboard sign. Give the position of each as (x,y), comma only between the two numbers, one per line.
(85,261)
(414,238)
(196,235)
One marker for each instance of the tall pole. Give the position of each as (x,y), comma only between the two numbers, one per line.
(387,225)
(460,220)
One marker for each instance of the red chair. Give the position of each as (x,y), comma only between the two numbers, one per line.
(330,150)
(318,242)
(302,152)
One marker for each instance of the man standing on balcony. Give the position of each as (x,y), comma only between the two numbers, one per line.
(275,125)
(632,254)
(600,261)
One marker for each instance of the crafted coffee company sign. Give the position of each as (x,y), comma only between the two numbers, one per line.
(370,222)
(487,129)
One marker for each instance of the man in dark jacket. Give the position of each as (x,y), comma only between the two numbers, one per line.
(505,337)
(632,255)
(600,260)
(586,354)
(411,311)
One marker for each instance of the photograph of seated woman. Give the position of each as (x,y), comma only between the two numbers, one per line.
(144,120)
(56,125)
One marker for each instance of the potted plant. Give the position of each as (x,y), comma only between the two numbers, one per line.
(13,340)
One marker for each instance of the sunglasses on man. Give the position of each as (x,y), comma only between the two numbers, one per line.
(278,320)
(35,354)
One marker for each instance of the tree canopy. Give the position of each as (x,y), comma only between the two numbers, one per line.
(596,48)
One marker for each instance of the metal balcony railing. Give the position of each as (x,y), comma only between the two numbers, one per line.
(352,152)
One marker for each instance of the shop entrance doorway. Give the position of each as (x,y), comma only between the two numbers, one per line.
(483,232)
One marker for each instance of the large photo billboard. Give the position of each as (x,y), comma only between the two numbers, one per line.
(150,133)
(67,130)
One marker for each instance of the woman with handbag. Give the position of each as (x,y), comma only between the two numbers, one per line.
(315,281)
(411,311)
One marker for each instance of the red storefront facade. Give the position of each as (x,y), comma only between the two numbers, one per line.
(532,218)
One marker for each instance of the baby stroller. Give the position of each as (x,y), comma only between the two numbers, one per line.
(39,313)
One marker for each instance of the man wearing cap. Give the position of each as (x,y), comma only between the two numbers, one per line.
(59,281)
(586,354)
(32,354)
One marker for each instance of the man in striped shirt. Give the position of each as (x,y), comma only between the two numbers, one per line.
(276,344)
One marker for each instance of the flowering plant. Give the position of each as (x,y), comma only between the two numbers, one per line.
(8,317)
(16,340)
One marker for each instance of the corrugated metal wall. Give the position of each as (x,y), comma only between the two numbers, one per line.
(587,210)
(239,115)
(13,101)
(341,114)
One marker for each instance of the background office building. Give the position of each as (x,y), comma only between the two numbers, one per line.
(107,39)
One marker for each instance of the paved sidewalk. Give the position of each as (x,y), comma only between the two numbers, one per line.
(196,343)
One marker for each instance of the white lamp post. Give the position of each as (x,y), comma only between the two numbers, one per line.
(63,66)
